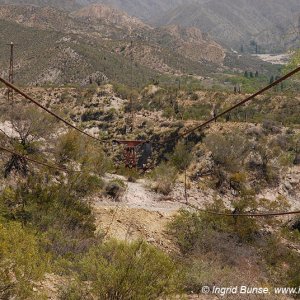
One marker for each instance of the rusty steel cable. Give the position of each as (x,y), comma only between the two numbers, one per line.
(203,125)
(37,162)
(265,214)
(276,82)
(13,87)
(247,214)
(268,214)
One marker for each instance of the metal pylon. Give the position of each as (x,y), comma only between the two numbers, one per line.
(10,93)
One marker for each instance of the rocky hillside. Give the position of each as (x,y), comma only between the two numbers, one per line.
(98,39)
(144,9)
(247,161)
(195,44)
(65,5)
(103,41)
(272,25)
(111,16)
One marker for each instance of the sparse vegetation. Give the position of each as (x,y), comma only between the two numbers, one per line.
(206,243)
(23,261)
(164,177)
(87,227)
(129,271)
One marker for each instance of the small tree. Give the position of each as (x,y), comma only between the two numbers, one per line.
(266,166)
(228,154)
(294,62)
(72,146)
(182,156)
(31,128)
(228,151)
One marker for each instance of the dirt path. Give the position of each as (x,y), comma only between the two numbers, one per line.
(142,213)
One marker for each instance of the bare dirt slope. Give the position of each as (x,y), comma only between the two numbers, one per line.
(142,213)
(139,214)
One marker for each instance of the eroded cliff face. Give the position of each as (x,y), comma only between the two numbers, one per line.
(111,16)
(196,45)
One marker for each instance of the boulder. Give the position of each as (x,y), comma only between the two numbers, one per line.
(297,159)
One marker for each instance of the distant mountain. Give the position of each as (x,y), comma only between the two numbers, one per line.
(249,25)
(56,46)
(110,15)
(144,9)
(61,4)
(252,25)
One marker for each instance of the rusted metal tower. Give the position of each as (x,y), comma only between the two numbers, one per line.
(130,147)
(10,93)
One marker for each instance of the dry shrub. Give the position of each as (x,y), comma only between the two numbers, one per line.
(164,177)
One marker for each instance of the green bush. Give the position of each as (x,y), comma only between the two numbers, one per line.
(181,157)
(70,146)
(200,272)
(132,175)
(118,270)
(124,92)
(74,147)
(164,177)
(86,184)
(294,274)
(75,291)
(197,111)
(236,150)
(22,262)
(194,230)
(56,210)
(188,229)
(206,242)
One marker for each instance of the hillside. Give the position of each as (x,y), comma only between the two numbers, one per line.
(98,39)
(54,57)
(68,223)
(64,5)
(111,16)
(58,40)
(144,9)
(101,44)
(149,161)
(272,25)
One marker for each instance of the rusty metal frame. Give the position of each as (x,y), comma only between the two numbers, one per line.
(130,157)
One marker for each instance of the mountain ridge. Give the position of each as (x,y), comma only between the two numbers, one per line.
(241,23)
(238,24)
(101,44)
